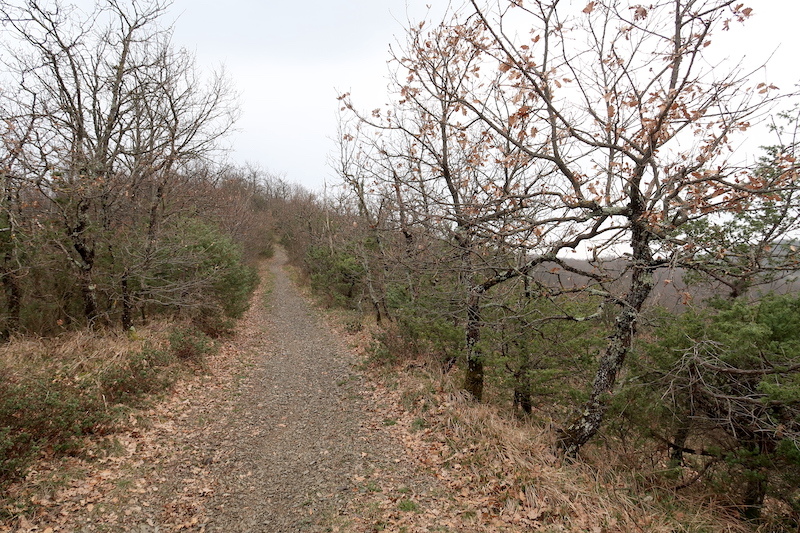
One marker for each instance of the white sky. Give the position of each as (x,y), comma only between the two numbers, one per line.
(289,59)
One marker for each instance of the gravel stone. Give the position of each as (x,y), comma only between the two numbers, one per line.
(290,449)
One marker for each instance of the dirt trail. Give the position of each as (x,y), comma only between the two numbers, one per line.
(294,444)
(282,435)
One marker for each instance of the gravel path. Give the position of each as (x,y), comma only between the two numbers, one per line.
(283,434)
(295,442)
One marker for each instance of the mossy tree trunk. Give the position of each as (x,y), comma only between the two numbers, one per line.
(587,424)
(473,379)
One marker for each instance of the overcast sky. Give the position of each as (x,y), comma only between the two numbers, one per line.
(290,59)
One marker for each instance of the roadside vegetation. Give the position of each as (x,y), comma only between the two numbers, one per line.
(700,434)
(545,229)
(58,391)
(549,246)
(66,384)
(128,247)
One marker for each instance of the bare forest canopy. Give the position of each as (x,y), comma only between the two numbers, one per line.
(540,175)
(115,202)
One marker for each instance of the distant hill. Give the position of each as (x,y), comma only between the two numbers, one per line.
(670,292)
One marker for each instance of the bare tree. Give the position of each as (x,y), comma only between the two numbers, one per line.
(445,174)
(118,116)
(605,130)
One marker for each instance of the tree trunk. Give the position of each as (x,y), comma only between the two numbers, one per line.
(680,437)
(375,300)
(588,423)
(522,387)
(84,247)
(89,293)
(127,304)
(473,380)
(153,218)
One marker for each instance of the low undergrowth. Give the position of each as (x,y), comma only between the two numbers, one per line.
(503,467)
(55,392)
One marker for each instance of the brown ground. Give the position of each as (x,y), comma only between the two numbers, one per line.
(282,435)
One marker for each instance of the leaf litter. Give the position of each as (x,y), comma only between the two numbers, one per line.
(286,433)
(268,439)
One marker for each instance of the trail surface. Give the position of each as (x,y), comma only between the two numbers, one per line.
(294,443)
(281,434)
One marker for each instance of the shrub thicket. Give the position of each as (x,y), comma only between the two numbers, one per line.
(61,390)
(722,386)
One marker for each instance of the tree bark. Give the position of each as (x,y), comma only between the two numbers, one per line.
(85,250)
(522,386)
(580,431)
(89,293)
(679,439)
(127,304)
(473,380)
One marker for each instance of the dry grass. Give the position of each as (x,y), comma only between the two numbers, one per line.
(511,465)
(55,392)
(578,496)
(505,471)
(78,353)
